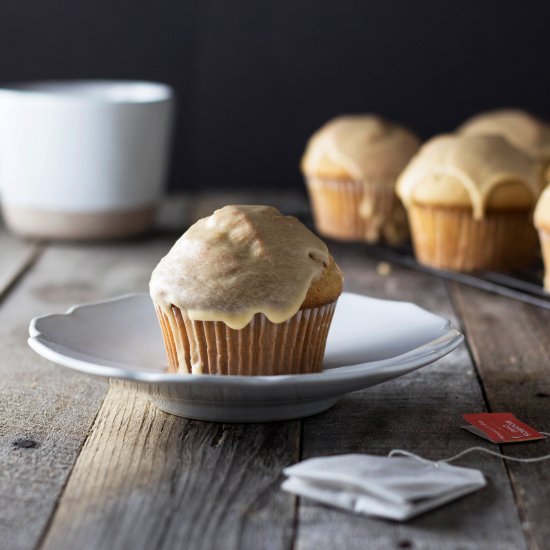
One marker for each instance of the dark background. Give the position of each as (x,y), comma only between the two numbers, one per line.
(254,79)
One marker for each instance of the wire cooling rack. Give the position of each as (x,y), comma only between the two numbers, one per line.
(524,285)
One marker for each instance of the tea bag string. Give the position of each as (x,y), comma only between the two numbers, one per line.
(401,452)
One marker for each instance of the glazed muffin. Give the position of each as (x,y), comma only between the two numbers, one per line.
(470,202)
(350,166)
(542,222)
(521,129)
(246,291)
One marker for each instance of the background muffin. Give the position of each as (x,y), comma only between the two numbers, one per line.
(351,165)
(246,291)
(542,222)
(521,129)
(470,201)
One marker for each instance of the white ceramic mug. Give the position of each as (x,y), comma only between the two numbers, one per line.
(83,159)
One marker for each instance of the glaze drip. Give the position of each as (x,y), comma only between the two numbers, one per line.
(240,261)
(479,163)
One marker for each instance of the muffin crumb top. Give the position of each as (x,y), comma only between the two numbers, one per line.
(240,261)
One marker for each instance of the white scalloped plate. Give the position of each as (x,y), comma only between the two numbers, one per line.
(370,342)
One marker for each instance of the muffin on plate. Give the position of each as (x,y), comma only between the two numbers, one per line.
(521,129)
(350,166)
(246,291)
(542,222)
(470,202)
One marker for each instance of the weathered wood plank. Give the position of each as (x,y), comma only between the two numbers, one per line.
(94,512)
(511,346)
(45,410)
(15,256)
(146,479)
(421,413)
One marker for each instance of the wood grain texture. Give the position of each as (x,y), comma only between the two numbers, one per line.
(46,410)
(131,476)
(511,346)
(149,480)
(15,256)
(420,412)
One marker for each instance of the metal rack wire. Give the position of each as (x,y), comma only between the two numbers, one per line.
(524,285)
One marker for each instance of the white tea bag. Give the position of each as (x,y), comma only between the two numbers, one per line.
(398,488)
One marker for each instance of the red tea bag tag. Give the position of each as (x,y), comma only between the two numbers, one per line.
(500,427)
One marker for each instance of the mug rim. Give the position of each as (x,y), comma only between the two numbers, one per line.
(101,91)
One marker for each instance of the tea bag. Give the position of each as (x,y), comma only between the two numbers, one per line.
(397,488)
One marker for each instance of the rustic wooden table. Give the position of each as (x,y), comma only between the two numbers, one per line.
(90,466)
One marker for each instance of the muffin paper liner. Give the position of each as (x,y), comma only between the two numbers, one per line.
(357,211)
(544,237)
(296,346)
(450,238)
